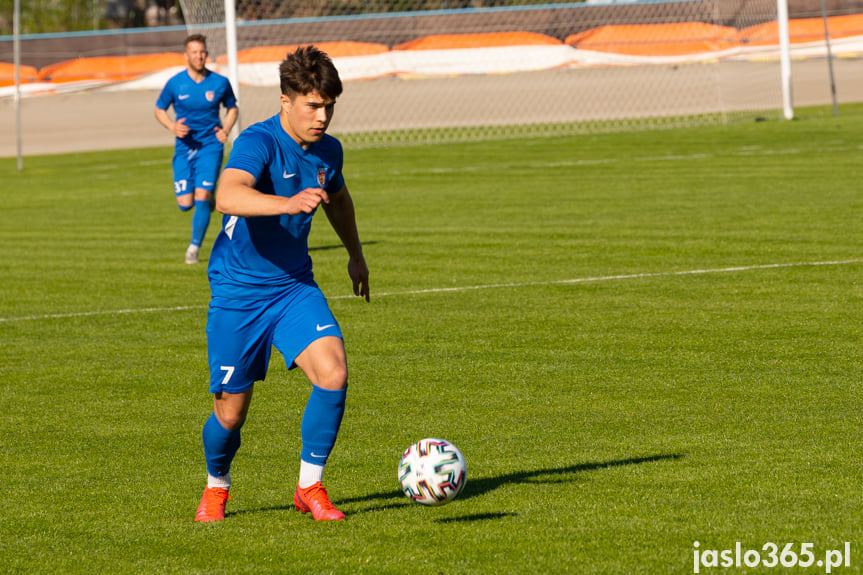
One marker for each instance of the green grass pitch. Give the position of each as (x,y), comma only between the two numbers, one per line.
(639,341)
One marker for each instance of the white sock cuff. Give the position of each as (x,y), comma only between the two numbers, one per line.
(223,482)
(310,474)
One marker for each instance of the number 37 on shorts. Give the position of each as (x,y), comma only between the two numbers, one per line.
(229,371)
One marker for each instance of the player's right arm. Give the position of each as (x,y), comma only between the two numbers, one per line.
(237,196)
(179,128)
(165,101)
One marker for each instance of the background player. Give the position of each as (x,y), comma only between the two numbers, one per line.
(197,95)
(263,290)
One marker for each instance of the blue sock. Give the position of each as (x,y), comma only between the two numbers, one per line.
(321,421)
(200,221)
(220,446)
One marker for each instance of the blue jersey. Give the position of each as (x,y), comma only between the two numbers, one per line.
(255,258)
(199,103)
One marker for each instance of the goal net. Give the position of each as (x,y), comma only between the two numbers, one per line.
(427,70)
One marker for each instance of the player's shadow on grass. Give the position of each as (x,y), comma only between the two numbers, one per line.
(477,487)
(476,517)
(335,247)
(483,485)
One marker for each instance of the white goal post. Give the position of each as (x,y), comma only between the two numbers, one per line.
(423,70)
(231,54)
(784,57)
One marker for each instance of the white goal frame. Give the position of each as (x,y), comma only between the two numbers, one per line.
(250,97)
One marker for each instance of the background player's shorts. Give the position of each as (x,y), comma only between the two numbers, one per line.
(240,334)
(196,167)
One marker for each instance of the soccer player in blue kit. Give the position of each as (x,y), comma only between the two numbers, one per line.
(197,95)
(263,290)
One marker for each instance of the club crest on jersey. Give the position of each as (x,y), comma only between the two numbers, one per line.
(210,95)
(322,177)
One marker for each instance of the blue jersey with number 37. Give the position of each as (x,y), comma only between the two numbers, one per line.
(256,257)
(199,103)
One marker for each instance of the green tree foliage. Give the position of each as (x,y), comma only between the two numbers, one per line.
(42,16)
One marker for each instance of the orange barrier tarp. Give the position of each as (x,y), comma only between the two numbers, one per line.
(110,68)
(482,40)
(804,30)
(656,39)
(333,50)
(26,74)
(640,40)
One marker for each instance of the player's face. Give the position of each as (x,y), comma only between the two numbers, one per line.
(196,56)
(306,117)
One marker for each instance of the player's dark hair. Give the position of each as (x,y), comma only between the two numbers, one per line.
(308,69)
(195,38)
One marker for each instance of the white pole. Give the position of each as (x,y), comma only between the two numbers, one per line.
(231,48)
(16,47)
(785,58)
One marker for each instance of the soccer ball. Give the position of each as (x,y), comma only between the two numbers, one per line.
(432,471)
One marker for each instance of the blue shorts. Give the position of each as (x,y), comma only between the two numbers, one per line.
(196,167)
(241,334)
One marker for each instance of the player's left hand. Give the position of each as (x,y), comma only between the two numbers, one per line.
(221,134)
(359,273)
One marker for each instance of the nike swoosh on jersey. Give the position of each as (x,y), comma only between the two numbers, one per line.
(286,175)
(183,96)
(206,183)
(320,327)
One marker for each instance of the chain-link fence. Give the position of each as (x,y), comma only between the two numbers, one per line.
(433,70)
(477,71)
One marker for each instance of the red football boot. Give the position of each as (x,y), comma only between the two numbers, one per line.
(212,506)
(315,499)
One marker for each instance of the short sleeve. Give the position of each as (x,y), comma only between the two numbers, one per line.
(251,152)
(166,97)
(229,100)
(336,183)
(336,161)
